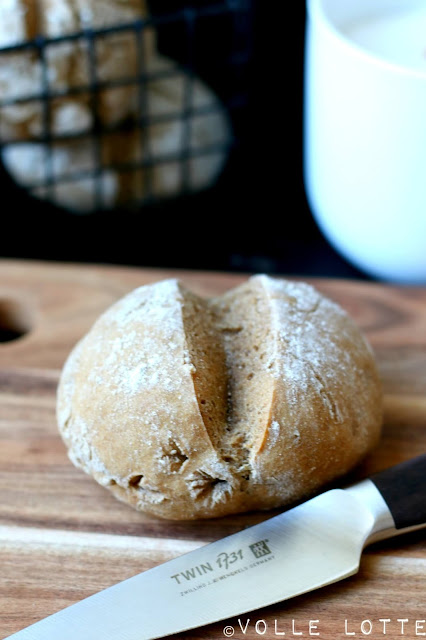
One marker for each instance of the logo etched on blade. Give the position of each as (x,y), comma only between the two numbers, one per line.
(260,548)
(224,565)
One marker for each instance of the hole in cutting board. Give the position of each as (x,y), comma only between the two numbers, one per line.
(14,320)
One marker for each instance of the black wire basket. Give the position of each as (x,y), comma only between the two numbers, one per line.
(113,108)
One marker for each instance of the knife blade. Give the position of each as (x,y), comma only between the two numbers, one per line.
(312,545)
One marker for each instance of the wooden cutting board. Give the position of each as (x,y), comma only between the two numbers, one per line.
(63,537)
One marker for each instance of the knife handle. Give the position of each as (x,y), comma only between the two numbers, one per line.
(403,488)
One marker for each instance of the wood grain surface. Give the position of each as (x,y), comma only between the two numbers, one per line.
(63,537)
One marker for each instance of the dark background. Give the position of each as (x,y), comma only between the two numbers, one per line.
(255,219)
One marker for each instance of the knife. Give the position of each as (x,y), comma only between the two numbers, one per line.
(312,545)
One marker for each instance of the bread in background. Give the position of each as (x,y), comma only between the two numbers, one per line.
(94,171)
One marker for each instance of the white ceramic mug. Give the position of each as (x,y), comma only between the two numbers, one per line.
(365,132)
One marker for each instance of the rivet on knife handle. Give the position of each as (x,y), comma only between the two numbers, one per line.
(404,490)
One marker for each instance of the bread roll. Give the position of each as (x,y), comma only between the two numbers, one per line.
(160,142)
(191,408)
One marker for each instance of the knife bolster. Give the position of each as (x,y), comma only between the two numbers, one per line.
(382,522)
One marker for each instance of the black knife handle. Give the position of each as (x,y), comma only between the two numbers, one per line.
(404,490)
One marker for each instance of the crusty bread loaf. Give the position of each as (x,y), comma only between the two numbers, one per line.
(192,408)
(92,172)
(160,142)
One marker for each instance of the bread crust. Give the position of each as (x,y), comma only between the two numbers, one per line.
(190,408)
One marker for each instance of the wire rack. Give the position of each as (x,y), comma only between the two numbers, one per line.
(186,117)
